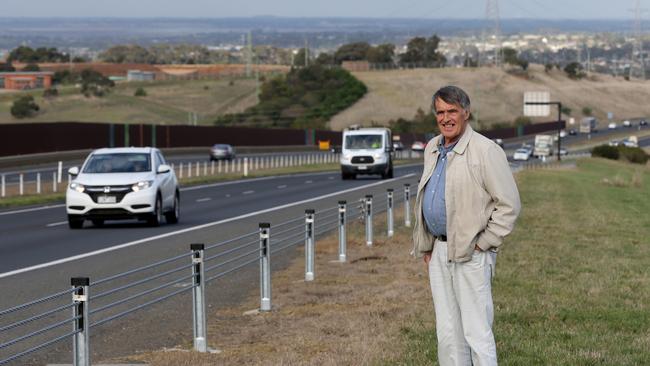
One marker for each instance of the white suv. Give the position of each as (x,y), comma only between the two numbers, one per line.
(123,183)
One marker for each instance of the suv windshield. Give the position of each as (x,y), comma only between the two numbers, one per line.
(358,142)
(118,163)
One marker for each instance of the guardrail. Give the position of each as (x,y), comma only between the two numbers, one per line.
(56,179)
(98,302)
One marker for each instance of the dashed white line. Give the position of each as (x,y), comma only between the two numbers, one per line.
(330,178)
(194,228)
(203,199)
(228,195)
(282,186)
(56,224)
(308,182)
(248,192)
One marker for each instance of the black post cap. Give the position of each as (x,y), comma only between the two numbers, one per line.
(389,190)
(197,246)
(80,281)
(368,196)
(406,185)
(265,225)
(343,202)
(310,211)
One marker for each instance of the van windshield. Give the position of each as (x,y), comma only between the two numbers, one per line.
(358,142)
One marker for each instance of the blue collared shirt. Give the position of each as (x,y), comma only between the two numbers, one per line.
(434,207)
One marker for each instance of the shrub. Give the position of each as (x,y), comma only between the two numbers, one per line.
(24,106)
(606,151)
(31,67)
(633,154)
(50,93)
(140,92)
(586,111)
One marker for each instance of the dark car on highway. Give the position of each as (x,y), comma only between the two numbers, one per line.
(222,152)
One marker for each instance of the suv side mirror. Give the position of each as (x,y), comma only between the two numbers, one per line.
(74,171)
(163,168)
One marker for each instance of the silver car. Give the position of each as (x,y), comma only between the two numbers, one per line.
(222,152)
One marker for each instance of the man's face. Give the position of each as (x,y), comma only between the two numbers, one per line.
(452,120)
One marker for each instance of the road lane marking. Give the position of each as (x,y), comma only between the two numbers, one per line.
(248,192)
(308,182)
(194,228)
(330,178)
(56,224)
(282,186)
(203,199)
(31,209)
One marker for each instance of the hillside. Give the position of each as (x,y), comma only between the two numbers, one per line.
(166,102)
(496,95)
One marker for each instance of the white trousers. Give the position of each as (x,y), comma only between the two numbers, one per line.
(462,299)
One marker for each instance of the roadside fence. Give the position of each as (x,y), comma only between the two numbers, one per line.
(71,314)
(56,179)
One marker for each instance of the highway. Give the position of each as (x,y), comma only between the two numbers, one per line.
(39,254)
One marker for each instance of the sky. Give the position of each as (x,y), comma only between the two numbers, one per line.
(463,9)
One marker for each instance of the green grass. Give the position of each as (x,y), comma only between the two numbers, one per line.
(166,102)
(573,280)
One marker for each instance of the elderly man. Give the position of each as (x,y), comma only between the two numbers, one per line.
(467,202)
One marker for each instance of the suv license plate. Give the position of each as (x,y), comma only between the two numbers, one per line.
(362,167)
(106,199)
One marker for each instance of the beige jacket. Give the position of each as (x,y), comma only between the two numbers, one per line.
(481,197)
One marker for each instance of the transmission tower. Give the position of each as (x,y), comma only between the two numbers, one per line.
(492,17)
(249,53)
(638,42)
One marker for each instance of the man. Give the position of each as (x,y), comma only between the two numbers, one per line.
(467,202)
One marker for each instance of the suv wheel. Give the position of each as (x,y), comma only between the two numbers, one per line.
(172,216)
(75,222)
(156,216)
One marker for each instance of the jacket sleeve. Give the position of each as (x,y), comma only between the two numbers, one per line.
(500,185)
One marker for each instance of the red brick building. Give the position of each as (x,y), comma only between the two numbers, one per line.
(26,80)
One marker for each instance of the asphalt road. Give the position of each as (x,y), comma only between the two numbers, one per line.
(39,238)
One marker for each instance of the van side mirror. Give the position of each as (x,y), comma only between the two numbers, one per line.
(163,168)
(74,171)
(389,149)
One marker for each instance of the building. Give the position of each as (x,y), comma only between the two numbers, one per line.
(23,80)
(137,75)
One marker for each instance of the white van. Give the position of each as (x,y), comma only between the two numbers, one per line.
(366,151)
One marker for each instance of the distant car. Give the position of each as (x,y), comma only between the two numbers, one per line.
(573,132)
(222,152)
(563,151)
(498,142)
(563,134)
(643,122)
(398,145)
(614,143)
(612,126)
(522,154)
(627,123)
(418,146)
(123,183)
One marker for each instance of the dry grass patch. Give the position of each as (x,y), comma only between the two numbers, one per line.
(351,314)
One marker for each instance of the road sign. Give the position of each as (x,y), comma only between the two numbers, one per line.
(537,110)
(610,115)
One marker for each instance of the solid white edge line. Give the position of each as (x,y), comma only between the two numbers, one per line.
(56,224)
(248,192)
(31,209)
(194,228)
(203,199)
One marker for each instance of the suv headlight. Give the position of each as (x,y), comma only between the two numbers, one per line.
(141,185)
(377,156)
(77,187)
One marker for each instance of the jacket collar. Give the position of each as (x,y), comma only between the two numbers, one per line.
(461,145)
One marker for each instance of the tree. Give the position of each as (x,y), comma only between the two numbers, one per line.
(324,58)
(140,92)
(7,67)
(127,54)
(548,67)
(423,50)
(382,54)
(586,111)
(31,67)
(510,56)
(24,107)
(94,83)
(566,111)
(574,71)
(352,52)
(300,58)
(41,54)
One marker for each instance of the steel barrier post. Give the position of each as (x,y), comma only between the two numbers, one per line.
(205,168)
(38,183)
(60,171)
(81,339)
(309,244)
(342,238)
(180,170)
(389,212)
(22,183)
(189,169)
(245,167)
(54,187)
(407,205)
(3,189)
(265,266)
(198,169)
(218,166)
(198,298)
(368,204)
(211,167)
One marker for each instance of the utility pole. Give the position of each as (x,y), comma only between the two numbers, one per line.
(306,53)
(249,53)
(492,16)
(637,49)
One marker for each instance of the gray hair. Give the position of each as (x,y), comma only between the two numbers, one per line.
(452,95)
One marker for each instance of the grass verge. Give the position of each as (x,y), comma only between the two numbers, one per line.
(571,288)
